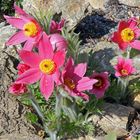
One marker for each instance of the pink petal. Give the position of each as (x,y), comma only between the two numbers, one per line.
(132,23)
(45,48)
(123,45)
(136,44)
(17,38)
(56,77)
(58,42)
(122,25)
(30,58)
(16,22)
(19,10)
(137,32)
(46,86)
(80,69)
(99,94)
(115,38)
(29,44)
(30,76)
(69,65)
(117,74)
(85,84)
(59,58)
(84,96)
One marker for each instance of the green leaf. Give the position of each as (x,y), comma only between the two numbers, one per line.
(31,117)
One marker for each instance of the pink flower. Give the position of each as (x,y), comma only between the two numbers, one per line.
(43,66)
(58,42)
(29,30)
(102,85)
(18,88)
(74,81)
(127,34)
(124,67)
(22,68)
(56,27)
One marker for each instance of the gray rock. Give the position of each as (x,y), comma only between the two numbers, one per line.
(13,123)
(72,10)
(114,117)
(134,3)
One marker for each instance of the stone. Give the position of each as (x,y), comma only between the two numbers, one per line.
(13,124)
(98,4)
(134,3)
(100,55)
(136,101)
(114,117)
(72,10)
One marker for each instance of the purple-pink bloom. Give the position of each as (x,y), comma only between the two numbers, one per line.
(73,79)
(58,42)
(127,34)
(43,66)
(102,85)
(56,27)
(124,67)
(18,88)
(29,32)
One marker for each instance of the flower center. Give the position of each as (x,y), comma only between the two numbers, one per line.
(124,72)
(30,29)
(127,35)
(70,83)
(47,66)
(99,83)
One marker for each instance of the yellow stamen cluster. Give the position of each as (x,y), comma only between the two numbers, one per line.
(70,83)
(47,66)
(99,83)
(30,29)
(127,35)
(124,72)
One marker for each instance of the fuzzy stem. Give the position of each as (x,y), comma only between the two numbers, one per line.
(53,135)
(128,52)
(38,110)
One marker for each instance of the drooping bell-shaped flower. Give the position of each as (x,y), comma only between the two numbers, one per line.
(102,85)
(74,81)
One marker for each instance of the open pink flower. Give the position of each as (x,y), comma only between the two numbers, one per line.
(43,66)
(124,67)
(58,42)
(102,85)
(127,34)
(29,30)
(18,88)
(56,27)
(22,68)
(74,81)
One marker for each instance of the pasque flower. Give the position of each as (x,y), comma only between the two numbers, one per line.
(102,85)
(56,27)
(18,88)
(43,66)
(73,79)
(124,67)
(58,42)
(29,29)
(127,34)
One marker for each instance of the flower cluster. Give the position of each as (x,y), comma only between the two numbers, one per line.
(126,37)
(43,60)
